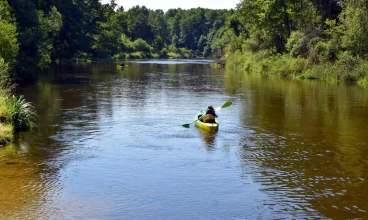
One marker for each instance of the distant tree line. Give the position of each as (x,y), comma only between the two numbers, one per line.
(35,33)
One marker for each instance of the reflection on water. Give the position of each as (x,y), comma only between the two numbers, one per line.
(309,151)
(173,62)
(209,137)
(109,145)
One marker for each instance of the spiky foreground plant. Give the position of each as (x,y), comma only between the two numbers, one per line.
(23,113)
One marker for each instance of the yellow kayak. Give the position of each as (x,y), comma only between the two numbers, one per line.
(206,126)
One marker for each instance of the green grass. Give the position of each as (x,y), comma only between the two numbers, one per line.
(6,127)
(6,133)
(15,114)
(299,68)
(5,114)
(339,72)
(363,81)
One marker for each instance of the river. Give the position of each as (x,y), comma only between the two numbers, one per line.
(110,145)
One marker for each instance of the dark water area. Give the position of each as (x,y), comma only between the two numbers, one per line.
(110,145)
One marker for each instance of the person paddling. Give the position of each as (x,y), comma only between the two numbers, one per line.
(199,117)
(210,115)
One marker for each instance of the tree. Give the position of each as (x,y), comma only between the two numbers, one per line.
(269,18)
(9,47)
(355,26)
(142,46)
(107,41)
(139,21)
(49,27)
(4,74)
(159,27)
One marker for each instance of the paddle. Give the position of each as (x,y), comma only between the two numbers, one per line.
(227,104)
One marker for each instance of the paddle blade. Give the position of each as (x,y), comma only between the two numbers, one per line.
(227,104)
(186,125)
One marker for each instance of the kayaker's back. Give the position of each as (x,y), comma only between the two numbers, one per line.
(207,118)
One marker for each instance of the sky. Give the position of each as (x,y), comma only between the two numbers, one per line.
(184,4)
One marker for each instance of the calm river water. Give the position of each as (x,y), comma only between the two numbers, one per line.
(110,146)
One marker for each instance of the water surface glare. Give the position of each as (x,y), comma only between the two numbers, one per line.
(110,146)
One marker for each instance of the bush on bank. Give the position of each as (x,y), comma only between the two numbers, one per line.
(15,113)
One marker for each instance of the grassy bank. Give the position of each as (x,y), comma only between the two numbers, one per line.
(15,115)
(6,133)
(6,127)
(347,69)
(180,54)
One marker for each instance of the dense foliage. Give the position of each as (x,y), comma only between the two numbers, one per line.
(305,37)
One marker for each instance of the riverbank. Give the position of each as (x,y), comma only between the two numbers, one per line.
(349,69)
(6,128)
(15,115)
(184,54)
(6,133)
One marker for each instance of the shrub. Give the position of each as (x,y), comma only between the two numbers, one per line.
(327,71)
(207,51)
(135,55)
(237,61)
(4,74)
(172,55)
(184,53)
(358,74)
(142,45)
(297,44)
(6,128)
(164,53)
(22,113)
(172,48)
(5,114)
(312,50)
(154,56)
(348,60)
(327,50)
(255,43)
(362,69)
(126,44)
(118,56)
